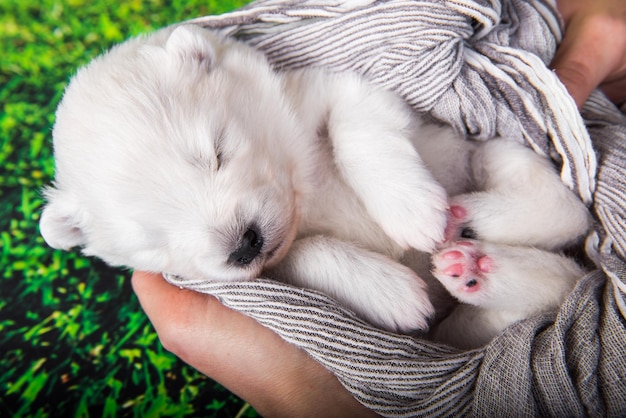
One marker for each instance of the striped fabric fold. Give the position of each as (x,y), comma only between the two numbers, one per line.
(480,66)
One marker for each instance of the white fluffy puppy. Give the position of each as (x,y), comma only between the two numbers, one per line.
(185,153)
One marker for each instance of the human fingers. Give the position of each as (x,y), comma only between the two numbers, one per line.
(615,87)
(275,377)
(593,50)
(584,60)
(174,312)
(203,332)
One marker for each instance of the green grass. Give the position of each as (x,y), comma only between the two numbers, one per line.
(73,339)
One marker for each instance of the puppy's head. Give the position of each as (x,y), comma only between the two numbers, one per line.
(177,153)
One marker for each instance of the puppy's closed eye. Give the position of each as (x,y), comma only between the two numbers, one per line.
(219,150)
(204,162)
(219,158)
(208,159)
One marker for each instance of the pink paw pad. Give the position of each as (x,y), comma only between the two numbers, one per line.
(458,212)
(452,255)
(485,264)
(463,267)
(457,216)
(455,270)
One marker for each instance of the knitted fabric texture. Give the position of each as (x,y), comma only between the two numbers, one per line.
(480,66)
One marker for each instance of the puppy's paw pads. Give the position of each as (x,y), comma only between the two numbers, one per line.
(458,226)
(463,268)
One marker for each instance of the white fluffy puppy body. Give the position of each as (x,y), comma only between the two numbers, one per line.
(186,154)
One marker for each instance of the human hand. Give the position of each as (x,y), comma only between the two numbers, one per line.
(593,50)
(275,377)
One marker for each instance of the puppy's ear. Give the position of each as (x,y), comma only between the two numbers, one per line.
(62,222)
(191,44)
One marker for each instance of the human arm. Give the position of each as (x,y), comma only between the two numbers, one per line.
(593,50)
(276,378)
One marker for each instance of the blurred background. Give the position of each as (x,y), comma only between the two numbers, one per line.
(74,341)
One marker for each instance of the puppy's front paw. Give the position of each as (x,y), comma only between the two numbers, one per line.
(417,218)
(465,270)
(402,305)
(375,287)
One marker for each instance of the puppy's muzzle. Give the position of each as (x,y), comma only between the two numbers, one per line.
(250,248)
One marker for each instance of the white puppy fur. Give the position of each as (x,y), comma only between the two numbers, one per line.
(185,153)
(521,213)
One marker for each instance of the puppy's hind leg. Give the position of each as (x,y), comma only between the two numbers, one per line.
(498,277)
(377,288)
(522,201)
(370,131)
(498,285)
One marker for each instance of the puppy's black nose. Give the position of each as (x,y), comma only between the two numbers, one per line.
(251,244)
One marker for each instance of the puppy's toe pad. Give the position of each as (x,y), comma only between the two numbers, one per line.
(462,268)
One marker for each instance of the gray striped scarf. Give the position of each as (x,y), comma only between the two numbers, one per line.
(480,66)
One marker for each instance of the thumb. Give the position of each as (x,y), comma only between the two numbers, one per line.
(583,59)
(177,315)
(277,378)
(206,334)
